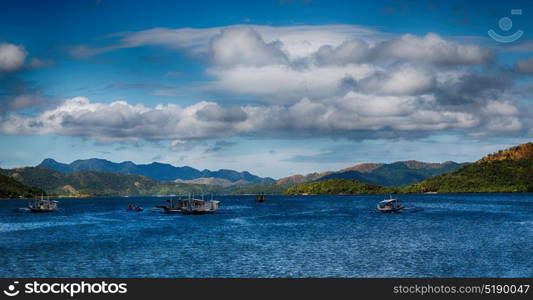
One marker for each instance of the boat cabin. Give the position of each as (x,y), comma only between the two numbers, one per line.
(390,205)
(198,206)
(191,206)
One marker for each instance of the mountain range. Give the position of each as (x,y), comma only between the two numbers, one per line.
(394,174)
(98,183)
(509,170)
(155,170)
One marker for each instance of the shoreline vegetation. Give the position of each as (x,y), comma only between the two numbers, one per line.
(505,171)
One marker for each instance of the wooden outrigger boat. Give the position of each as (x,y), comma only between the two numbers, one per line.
(191,206)
(391,205)
(42,205)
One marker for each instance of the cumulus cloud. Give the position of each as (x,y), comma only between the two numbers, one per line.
(326,44)
(284,84)
(433,48)
(244,46)
(121,121)
(297,41)
(328,81)
(282,65)
(12,57)
(346,116)
(213,112)
(352,51)
(406,65)
(405,79)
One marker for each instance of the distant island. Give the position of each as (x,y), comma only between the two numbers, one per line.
(508,170)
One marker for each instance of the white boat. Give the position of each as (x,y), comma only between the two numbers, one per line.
(390,205)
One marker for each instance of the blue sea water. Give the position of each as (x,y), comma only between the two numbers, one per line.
(459,235)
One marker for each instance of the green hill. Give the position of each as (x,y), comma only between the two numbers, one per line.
(99,183)
(508,170)
(334,186)
(10,188)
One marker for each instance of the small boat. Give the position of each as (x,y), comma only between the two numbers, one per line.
(134,207)
(390,205)
(260,198)
(42,205)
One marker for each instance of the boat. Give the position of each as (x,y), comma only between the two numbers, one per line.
(390,205)
(260,198)
(134,207)
(42,205)
(191,206)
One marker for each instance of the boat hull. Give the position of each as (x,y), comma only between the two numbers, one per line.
(390,210)
(197,212)
(36,210)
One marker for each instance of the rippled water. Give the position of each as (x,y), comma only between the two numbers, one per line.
(484,235)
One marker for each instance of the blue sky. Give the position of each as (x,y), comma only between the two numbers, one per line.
(272,87)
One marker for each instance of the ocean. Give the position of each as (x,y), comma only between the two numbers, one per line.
(447,235)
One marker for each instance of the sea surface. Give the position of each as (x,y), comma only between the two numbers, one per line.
(459,235)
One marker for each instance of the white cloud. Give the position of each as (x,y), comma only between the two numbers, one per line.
(352,51)
(244,46)
(345,116)
(297,41)
(433,48)
(12,57)
(120,121)
(502,116)
(284,84)
(405,79)
(334,81)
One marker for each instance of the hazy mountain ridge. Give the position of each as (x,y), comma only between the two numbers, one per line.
(214,181)
(155,170)
(298,179)
(394,174)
